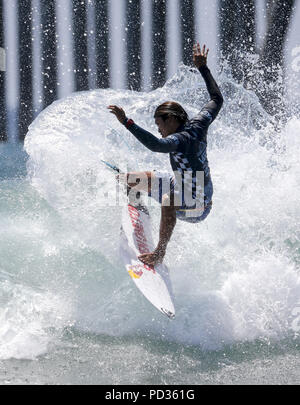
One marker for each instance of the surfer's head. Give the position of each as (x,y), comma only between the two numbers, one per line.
(169,116)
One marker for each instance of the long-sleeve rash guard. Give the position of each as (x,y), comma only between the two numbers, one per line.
(187,147)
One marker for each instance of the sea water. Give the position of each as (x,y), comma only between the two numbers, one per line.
(69,312)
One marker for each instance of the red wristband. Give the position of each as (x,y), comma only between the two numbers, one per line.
(129,123)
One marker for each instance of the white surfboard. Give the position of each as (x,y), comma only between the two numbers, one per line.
(136,238)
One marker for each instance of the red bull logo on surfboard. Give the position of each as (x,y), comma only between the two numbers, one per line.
(140,238)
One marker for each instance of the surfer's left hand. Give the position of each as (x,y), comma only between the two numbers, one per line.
(118,112)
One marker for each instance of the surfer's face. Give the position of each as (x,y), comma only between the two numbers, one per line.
(168,126)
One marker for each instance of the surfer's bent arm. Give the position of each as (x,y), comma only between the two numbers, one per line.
(163,145)
(216,99)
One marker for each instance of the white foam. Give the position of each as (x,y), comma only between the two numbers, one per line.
(28,318)
(235,276)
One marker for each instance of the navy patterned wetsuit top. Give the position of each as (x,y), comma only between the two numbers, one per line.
(187,147)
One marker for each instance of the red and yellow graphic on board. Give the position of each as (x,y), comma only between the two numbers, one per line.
(140,238)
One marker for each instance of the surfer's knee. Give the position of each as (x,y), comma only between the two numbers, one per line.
(166,200)
(168,209)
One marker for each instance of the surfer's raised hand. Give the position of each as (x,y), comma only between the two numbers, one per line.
(200,57)
(118,112)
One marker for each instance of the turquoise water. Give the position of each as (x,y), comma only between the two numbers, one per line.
(95,359)
(69,312)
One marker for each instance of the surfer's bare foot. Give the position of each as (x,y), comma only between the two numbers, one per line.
(152,259)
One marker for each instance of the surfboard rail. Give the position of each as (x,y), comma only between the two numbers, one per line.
(136,238)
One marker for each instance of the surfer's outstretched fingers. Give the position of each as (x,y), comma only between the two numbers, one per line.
(118,112)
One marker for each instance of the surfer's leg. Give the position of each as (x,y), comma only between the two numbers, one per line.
(167,225)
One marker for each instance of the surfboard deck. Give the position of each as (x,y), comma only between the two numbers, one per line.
(136,238)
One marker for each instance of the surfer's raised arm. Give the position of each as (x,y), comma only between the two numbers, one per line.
(216,99)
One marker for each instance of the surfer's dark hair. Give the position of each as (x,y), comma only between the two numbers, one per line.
(171,108)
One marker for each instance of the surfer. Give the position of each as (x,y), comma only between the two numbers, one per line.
(186,142)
